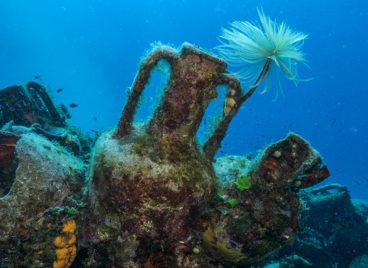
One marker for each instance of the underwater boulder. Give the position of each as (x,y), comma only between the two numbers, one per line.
(359,262)
(27,105)
(29,109)
(334,228)
(343,228)
(42,172)
(39,201)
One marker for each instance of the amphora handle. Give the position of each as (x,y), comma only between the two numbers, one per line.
(126,120)
(231,107)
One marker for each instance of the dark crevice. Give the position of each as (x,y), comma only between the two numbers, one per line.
(8,162)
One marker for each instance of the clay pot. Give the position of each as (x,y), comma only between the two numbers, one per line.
(155,180)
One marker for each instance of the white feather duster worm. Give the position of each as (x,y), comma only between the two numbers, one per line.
(251,48)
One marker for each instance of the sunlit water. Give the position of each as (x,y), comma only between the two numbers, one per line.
(92,49)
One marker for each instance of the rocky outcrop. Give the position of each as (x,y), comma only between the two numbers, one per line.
(334,228)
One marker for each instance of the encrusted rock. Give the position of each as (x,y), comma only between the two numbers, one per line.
(259,213)
(334,228)
(45,179)
(29,104)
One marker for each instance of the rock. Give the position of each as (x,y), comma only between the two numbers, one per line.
(29,104)
(361,208)
(29,109)
(8,161)
(335,228)
(42,173)
(249,224)
(359,262)
(229,168)
(295,261)
(46,177)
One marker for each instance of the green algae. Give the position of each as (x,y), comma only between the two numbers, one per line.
(243,183)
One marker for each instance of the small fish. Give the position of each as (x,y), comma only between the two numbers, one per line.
(59,90)
(357,183)
(73,105)
(96,132)
(95,118)
(37,77)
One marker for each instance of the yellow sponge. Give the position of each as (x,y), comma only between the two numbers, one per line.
(66,249)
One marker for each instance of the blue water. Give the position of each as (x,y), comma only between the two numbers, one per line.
(92,48)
